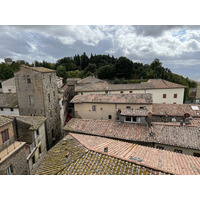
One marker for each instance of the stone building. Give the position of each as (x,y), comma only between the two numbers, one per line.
(37,94)
(12,152)
(8,86)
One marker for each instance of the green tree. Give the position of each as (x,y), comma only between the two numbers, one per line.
(91,68)
(61,72)
(106,72)
(84,61)
(7,73)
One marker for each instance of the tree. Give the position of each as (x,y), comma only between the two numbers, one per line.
(7,73)
(90,68)
(124,67)
(61,72)
(84,61)
(106,72)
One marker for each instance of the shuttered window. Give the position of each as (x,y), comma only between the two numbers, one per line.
(5,135)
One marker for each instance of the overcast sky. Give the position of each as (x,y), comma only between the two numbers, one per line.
(177,47)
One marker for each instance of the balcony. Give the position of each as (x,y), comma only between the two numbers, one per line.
(10,150)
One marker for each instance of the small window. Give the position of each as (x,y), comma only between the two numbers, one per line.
(134,119)
(28,79)
(130,91)
(174,103)
(175,96)
(117,118)
(93,108)
(128,119)
(11,109)
(10,170)
(109,116)
(54,93)
(31,100)
(142,107)
(159,147)
(50,78)
(33,160)
(37,131)
(178,151)
(49,97)
(9,90)
(40,150)
(164,96)
(121,92)
(196,154)
(1,109)
(5,135)
(128,107)
(101,108)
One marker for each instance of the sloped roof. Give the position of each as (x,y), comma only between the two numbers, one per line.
(163,160)
(39,69)
(174,109)
(143,98)
(4,120)
(100,85)
(83,160)
(169,134)
(134,112)
(34,121)
(8,100)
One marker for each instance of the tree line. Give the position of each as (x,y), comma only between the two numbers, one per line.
(118,70)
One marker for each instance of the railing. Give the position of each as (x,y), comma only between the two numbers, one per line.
(10,149)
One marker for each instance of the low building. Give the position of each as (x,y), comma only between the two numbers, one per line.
(9,104)
(162,91)
(79,154)
(31,129)
(168,136)
(104,106)
(8,61)
(8,86)
(12,152)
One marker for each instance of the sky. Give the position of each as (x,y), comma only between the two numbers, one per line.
(177,47)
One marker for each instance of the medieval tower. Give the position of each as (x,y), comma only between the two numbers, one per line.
(38,96)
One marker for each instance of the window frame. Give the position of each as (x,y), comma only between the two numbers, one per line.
(5,135)
(164,96)
(175,96)
(94,108)
(178,151)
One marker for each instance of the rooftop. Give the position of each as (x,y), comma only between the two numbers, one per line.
(4,120)
(94,84)
(169,134)
(175,109)
(39,69)
(134,112)
(166,161)
(8,100)
(143,98)
(82,160)
(34,121)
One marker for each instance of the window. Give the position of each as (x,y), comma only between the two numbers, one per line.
(54,93)
(101,108)
(9,90)
(37,131)
(177,150)
(196,154)
(33,160)
(31,100)
(130,91)
(128,107)
(50,78)
(174,103)
(121,92)
(28,79)
(11,109)
(175,96)
(1,109)
(134,119)
(10,170)
(159,147)
(128,119)
(109,116)
(40,150)
(142,107)
(164,96)
(5,135)
(49,97)
(93,108)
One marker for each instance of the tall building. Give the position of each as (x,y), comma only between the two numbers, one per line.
(37,95)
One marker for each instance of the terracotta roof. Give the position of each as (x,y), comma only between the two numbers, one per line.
(134,112)
(169,134)
(8,100)
(143,98)
(163,160)
(85,161)
(174,109)
(4,120)
(39,69)
(150,84)
(34,121)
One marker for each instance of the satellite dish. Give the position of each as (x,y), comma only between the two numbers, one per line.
(186,115)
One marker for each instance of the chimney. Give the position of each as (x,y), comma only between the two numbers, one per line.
(149,119)
(67,157)
(106,149)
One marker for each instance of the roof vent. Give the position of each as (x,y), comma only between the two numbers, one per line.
(136,159)
(106,149)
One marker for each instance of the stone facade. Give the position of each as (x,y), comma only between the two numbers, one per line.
(8,86)
(18,162)
(38,96)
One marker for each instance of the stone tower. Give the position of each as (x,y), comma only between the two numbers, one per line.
(37,95)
